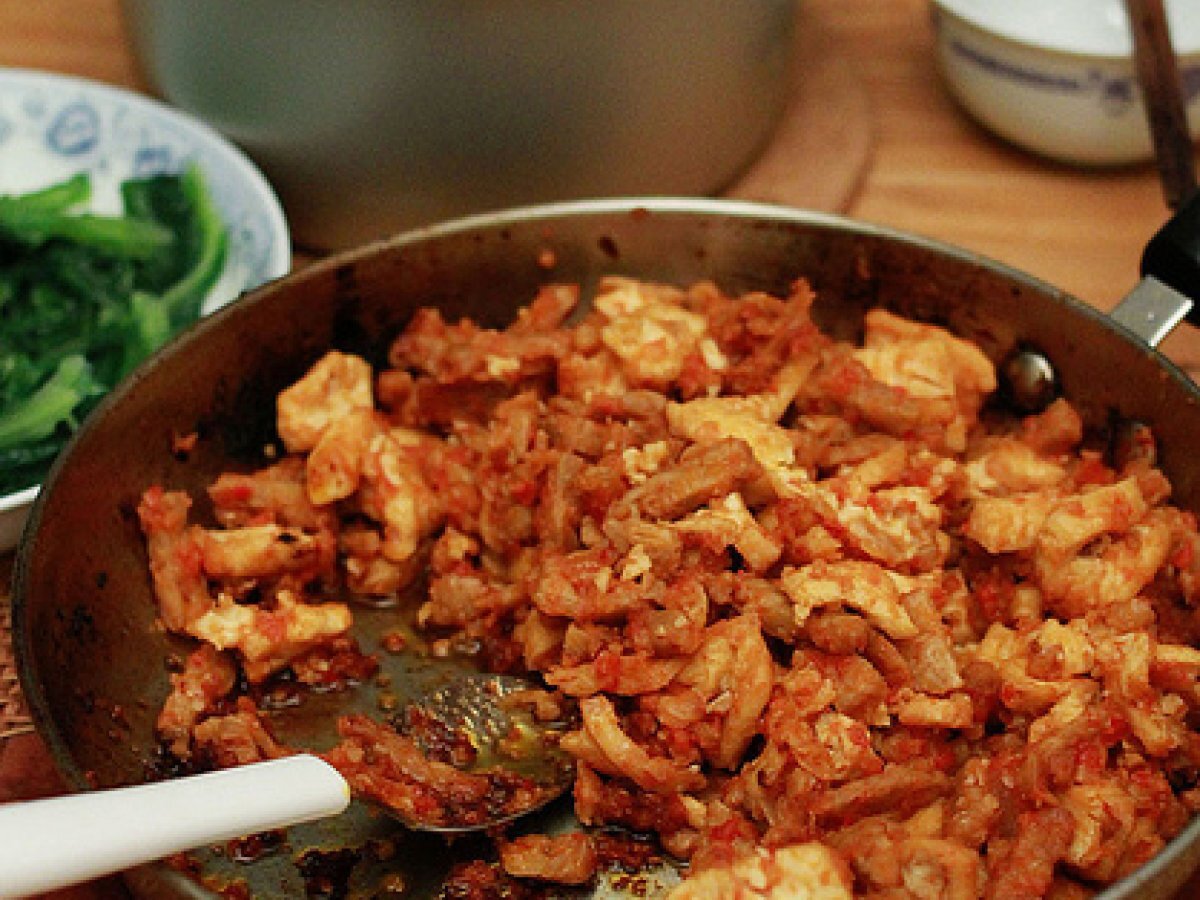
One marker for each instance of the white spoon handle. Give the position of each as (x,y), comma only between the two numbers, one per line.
(49,844)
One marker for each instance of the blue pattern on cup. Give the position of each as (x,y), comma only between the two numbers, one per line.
(1005,68)
(1116,93)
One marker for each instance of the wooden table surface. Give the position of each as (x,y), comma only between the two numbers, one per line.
(930,170)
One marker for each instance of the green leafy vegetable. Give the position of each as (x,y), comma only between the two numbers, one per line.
(38,415)
(85,297)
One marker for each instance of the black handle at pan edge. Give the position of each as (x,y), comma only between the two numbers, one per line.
(1173,254)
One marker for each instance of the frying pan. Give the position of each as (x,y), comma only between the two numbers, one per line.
(90,658)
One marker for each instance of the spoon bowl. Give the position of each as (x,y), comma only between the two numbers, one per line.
(469,755)
(54,843)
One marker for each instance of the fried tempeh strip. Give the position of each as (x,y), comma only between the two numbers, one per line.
(710,471)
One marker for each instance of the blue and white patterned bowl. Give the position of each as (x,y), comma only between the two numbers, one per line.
(1057,76)
(53,126)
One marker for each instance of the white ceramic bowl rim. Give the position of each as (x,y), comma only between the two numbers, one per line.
(234,180)
(1089,27)
(240,191)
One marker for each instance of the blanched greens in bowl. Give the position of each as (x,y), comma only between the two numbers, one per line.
(85,297)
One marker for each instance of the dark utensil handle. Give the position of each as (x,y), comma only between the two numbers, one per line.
(1173,254)
(1162,92)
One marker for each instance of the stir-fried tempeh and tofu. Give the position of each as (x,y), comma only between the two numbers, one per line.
(829,626)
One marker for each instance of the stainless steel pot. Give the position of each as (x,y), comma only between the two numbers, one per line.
(372,116)
(90,657)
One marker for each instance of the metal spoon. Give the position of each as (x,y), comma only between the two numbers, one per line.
(509,763)
(53,843)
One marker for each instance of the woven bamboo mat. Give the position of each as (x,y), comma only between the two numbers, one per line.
(14,717)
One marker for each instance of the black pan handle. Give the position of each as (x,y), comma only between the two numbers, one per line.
(1173,254)
(1172,258)
(1169,290)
